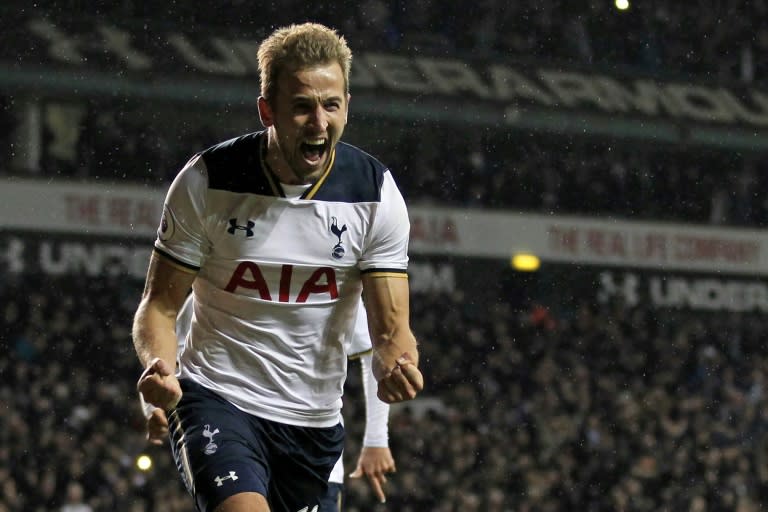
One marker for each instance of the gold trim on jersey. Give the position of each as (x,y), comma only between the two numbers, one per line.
(358,355)
(170,260)
(401,275)
(309,194)
(274,181)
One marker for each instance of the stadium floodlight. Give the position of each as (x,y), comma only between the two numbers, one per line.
(525,262)
(144,462)
(622,5)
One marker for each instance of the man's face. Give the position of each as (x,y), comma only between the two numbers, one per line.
(307,115)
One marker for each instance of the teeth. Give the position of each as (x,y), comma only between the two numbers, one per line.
(315,142)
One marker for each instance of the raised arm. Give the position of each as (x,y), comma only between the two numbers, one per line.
(395,354)
(154,336)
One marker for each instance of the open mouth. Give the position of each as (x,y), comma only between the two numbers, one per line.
(313,150)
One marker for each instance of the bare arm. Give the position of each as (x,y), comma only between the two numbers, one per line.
(154,336)
(395,354)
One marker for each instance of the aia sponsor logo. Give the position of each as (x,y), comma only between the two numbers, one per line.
(248,275)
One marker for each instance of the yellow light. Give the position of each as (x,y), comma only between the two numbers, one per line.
(525,262)
(622,5)
(144,462)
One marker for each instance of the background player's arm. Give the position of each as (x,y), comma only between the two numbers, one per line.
(157,426)
(395,354)
(375,458)
(154,335)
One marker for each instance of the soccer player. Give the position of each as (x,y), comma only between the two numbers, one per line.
(278,232)
(375,458)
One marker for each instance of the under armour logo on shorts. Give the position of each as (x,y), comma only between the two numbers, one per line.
(232,476)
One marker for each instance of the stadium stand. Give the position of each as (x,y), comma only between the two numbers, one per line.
(602,408)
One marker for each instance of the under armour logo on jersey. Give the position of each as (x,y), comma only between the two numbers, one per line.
(234,226)
(211,447)
(306,509)
(338,250)
(220,479)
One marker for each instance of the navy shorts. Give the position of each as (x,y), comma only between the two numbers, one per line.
(221,451)
(333,499)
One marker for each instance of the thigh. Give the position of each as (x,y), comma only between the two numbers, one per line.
(217,453)
(244,502)
(301,462)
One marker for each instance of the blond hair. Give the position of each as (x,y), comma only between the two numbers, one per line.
(300,46)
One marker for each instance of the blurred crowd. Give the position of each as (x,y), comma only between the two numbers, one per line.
(544,407)
(721,41)
(558,175)
(602,408)
(70,429)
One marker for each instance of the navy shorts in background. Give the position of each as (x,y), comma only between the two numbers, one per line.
(221,450)
(333,499)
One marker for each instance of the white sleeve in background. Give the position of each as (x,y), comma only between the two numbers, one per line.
(184,324)
(146,409)
(376,412)
(376,418)
(360,341)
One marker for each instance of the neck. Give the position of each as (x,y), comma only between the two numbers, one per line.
(276,164)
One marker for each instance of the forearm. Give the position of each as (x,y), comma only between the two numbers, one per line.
(154,334)
(395,353)
(376,411)
(155,342)
(387,305)
(154,324)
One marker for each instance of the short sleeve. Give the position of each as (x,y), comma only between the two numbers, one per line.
(387,244)
(181,235)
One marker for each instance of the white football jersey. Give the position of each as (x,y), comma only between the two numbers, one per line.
(279,279)
(359,345)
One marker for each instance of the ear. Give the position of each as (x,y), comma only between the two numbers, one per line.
(265,112)
(346,114)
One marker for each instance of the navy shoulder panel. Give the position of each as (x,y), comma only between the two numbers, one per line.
(235,165)
(356,177)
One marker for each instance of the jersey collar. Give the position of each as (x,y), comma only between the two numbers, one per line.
(274,182)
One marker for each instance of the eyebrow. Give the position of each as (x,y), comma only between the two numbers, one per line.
(305,98)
